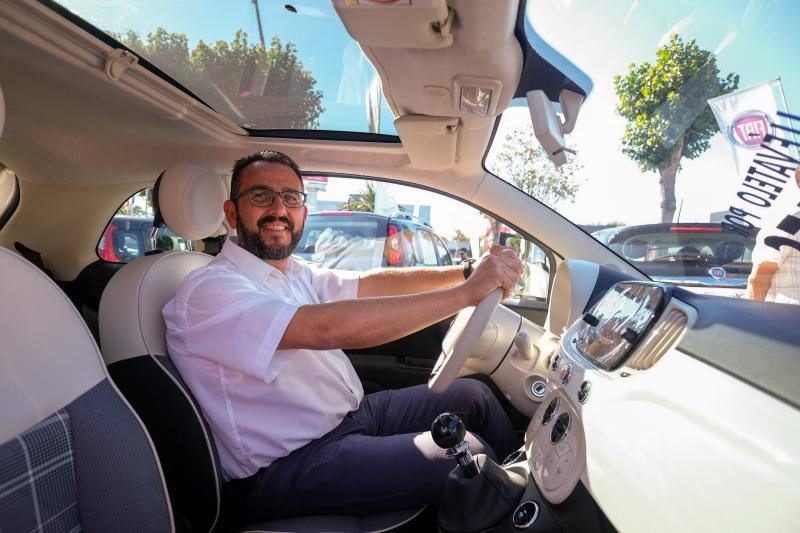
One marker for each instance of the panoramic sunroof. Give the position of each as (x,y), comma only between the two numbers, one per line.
(266,65)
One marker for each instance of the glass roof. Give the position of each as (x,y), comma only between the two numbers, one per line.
(263,64)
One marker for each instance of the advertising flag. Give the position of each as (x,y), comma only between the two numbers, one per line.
(762,134)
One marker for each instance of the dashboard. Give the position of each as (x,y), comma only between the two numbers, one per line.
(650,405)
(625,331)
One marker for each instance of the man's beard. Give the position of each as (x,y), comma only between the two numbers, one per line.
(254,243)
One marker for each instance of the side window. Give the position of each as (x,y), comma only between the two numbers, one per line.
(427,248)
(127,236)
(441,252)
(357,224)
(536,274)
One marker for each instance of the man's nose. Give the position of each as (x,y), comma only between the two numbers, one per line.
(277,208)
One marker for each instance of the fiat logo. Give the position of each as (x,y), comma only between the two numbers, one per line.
(718,273)
(749,129)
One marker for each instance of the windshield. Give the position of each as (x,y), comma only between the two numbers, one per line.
(687,123)
(262,64)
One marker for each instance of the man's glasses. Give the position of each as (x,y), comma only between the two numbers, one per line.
(263,197)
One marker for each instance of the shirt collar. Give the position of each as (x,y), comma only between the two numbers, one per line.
(251,266)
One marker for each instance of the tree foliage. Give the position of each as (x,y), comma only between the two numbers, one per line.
(667,101)
(666,108)
(524,163)
(254,87)
(363,201)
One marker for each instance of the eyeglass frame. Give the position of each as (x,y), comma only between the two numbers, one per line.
(275,194)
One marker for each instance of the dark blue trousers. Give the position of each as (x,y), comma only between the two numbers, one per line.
(381,457)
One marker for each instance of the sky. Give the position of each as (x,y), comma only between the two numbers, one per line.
(754,38)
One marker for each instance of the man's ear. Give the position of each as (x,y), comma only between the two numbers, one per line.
(229,207)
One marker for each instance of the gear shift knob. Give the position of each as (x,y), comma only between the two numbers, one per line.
(448,432)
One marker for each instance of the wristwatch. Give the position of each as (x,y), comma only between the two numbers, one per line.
(468,267)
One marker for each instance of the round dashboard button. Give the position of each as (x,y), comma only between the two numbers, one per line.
(555,362)
(583,392)
(566,373)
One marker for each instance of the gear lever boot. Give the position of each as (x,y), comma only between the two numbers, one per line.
(479,494)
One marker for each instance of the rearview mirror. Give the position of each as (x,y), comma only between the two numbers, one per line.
(548,127)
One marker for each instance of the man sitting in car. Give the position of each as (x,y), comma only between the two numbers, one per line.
(257,335)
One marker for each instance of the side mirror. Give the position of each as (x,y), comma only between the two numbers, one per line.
(548,128)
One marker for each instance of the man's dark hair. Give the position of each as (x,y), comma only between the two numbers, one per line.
(268,156)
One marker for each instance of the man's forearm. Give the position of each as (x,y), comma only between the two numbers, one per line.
(368,322)
(760,280)
(400,281)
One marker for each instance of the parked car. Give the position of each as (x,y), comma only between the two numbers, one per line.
(353,240)
(127,238)
(694,254)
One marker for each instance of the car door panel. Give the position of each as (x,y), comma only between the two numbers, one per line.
(400,363)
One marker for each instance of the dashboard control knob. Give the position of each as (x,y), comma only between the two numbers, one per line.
(560,427)
(550,410)
(555,362)
(583,391)
(566,374)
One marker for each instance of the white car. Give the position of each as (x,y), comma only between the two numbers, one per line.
(645,407)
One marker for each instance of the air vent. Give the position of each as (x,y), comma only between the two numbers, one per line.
(660,340)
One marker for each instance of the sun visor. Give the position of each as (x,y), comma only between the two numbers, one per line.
(397,23)
(429,141)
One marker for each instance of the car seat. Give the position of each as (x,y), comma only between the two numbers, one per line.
(73,454)
(132,336)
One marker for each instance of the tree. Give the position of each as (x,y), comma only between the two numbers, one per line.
(362,201)
(254,87)
(525,164)
(459,236)
(665,105)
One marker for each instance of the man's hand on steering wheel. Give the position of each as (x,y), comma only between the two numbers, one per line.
(500,267)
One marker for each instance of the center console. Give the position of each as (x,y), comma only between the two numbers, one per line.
(626,331)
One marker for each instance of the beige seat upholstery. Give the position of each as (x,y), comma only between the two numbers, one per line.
(132,337)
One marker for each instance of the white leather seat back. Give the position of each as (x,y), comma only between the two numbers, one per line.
(131,323)
(48,355)
(190,198)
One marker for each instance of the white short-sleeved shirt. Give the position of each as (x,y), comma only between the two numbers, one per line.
(785,286)
(223,329)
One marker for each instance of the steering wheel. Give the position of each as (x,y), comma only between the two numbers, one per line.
(460,341)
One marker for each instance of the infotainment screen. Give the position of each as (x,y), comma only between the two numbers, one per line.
(615,324)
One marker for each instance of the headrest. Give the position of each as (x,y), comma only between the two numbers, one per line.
(48,357)
(131,323)
(190,198)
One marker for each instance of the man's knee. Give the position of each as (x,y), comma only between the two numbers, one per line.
(474,390)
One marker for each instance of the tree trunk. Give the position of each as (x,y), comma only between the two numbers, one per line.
(668,174)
